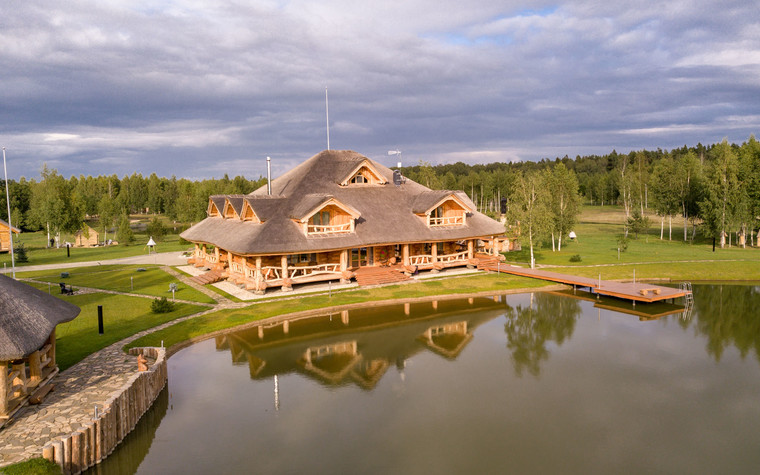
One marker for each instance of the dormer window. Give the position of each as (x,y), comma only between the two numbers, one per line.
(330,220)
(326,216)
(449,212)
(364,174)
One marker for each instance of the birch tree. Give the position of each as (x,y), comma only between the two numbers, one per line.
(530,208)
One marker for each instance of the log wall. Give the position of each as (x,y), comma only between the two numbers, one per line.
(92,443)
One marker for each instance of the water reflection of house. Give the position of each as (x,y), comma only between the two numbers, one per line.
(448,339)
(358,347)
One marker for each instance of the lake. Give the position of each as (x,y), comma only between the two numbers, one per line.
(522,383)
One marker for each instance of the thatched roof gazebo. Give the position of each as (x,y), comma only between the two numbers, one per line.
(28,318)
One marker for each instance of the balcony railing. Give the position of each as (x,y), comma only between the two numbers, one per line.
(423,259)
(420,259)
(447,221)
(329,228)
(459,256)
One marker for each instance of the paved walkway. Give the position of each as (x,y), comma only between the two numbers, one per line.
(159,258)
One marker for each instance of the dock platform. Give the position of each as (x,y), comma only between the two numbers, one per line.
(635,291)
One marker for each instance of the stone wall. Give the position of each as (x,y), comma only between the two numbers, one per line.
(93,442)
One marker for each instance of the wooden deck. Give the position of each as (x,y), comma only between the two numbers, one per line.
(637,292)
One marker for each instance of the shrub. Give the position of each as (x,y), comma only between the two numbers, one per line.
(156,229)
(575,258)
(161,305)
(125,235)
(19,253)
(622,243)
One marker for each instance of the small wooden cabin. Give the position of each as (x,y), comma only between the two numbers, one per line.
(28,318)
(86,237)
(5,235)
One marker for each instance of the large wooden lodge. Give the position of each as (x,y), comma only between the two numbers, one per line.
(332,215)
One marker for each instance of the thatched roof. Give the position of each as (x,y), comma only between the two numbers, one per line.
(387,212)
(27,317)
(3,224)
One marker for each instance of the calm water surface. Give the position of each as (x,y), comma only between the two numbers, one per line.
(525,383)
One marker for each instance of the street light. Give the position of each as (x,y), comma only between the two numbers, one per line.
(10,225)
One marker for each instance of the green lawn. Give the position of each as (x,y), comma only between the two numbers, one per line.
(123,316)
(121,278)
(597,244)
(39,254)
(224,319)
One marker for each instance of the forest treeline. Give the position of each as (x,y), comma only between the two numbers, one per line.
(716,185)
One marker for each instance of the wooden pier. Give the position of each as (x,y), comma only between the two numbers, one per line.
(634,291)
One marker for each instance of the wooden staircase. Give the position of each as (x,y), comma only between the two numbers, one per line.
(379,275)
(210,277)
(489,263)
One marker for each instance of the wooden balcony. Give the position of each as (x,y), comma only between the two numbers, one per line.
(446,221)
(323,229)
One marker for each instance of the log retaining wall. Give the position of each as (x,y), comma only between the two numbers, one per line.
(92,443)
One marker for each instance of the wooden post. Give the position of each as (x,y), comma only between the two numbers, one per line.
(51,354)
(435,305)
(434,251)
(21,378)
(405,254)
(407,309)
(3,388)
(344,260)
(344,317)
(495,246)
(285,276)
(470,249)
(35,369)
(259,276)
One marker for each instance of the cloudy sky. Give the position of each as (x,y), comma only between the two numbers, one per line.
(200,88)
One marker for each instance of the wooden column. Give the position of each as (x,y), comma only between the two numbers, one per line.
(51,341)
(3,388)
(216,254)
(405,254)
(286,285)
(35,369)
(470,249)
(259,276)
(495,246)
(20,379)
(434,251)
(344,260)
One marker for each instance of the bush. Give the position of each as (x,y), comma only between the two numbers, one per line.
(156,229)
(161,305)
(575,258)
(125,235)
(622,243)
(19,253)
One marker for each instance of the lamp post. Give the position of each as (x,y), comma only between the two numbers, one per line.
(10,224)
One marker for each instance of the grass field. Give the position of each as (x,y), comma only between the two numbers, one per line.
(123,316)
(597,244)
(38,253)
(152,281)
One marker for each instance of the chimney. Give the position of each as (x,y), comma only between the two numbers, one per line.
(269,176)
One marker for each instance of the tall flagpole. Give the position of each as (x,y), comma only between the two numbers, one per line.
(10,225)
(327,116)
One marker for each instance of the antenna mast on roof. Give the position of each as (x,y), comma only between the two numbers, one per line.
(327,116)
(396,152)
(269,176)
